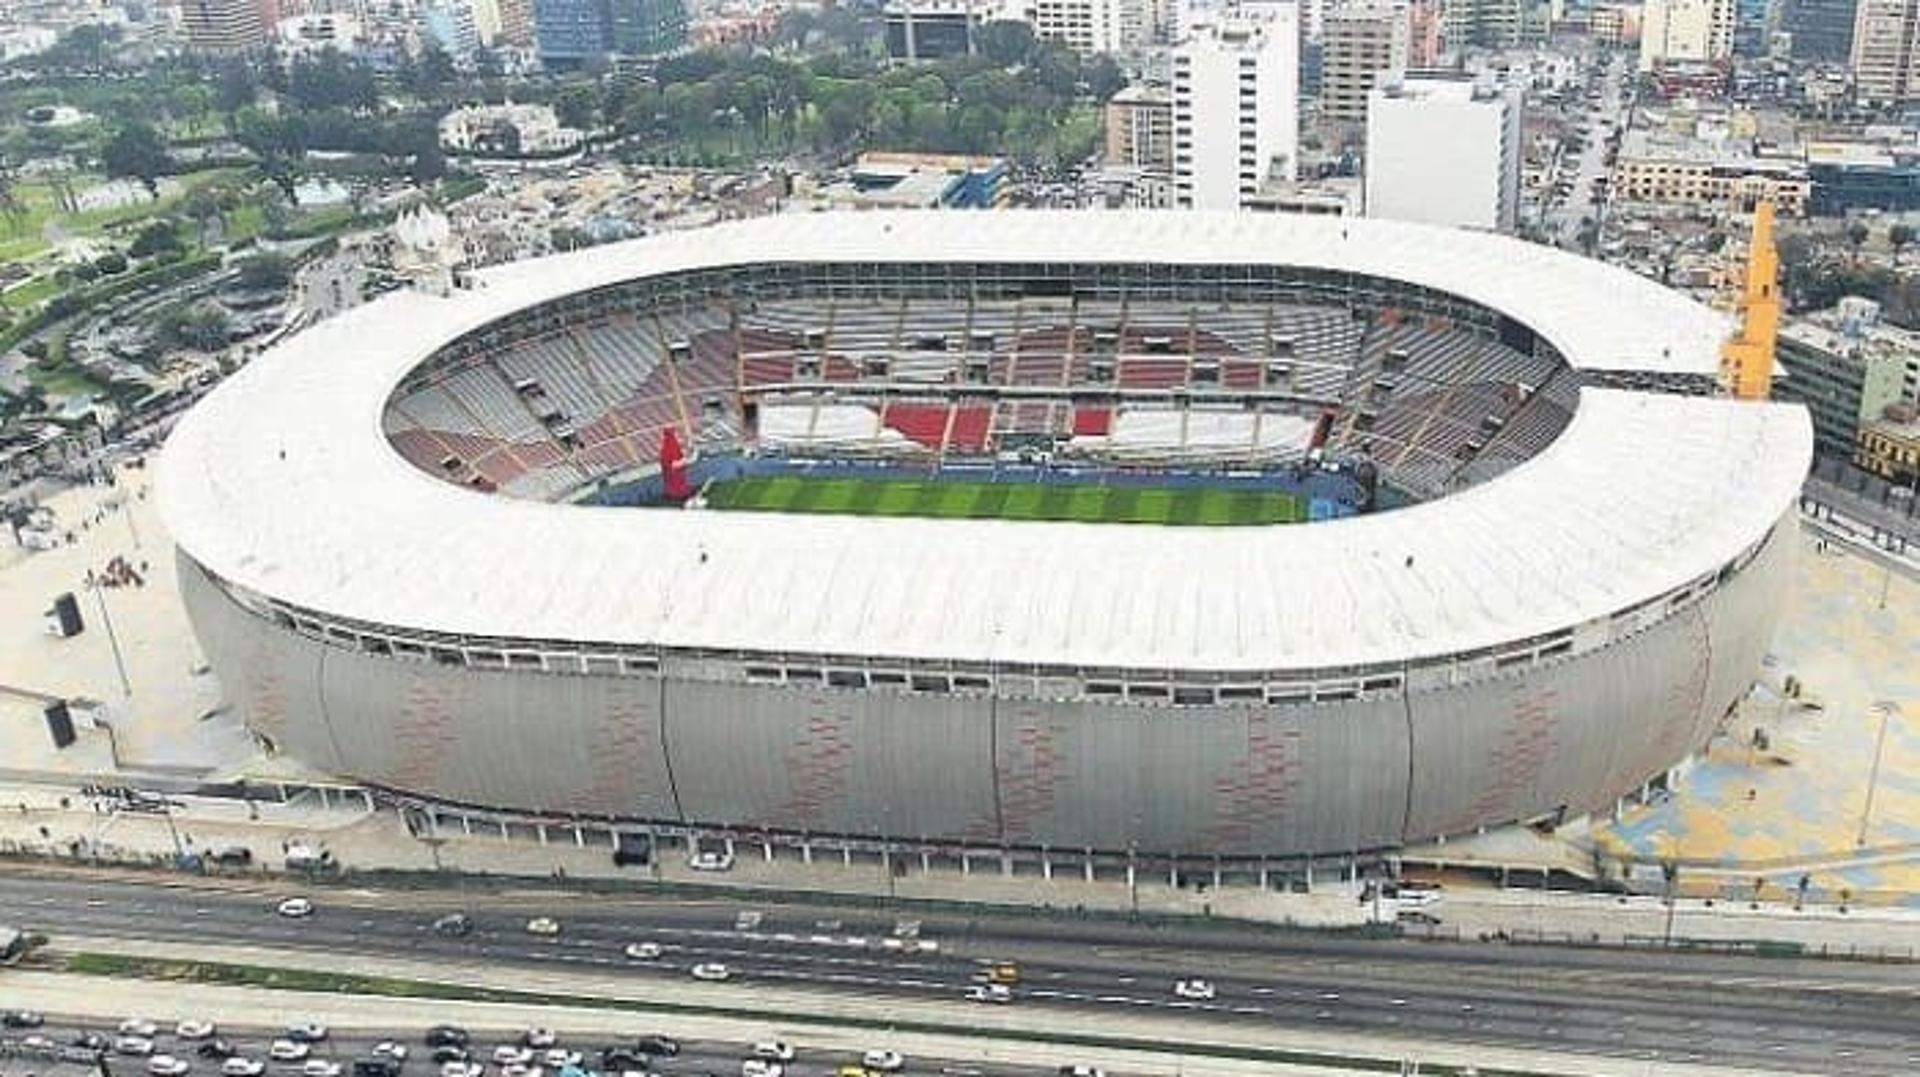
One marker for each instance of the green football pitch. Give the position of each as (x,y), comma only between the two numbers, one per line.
(1007,501)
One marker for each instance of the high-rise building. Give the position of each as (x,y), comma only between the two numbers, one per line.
(1425,20)
(515,18)
(1236,108)
(1883,57)
(1685,31)
(1444,151)
(1088,26)
(570,31)
(223,25)
(1140,127)
(1362,47)
(935,29)
(486,20)
(1818,30)
(1495,24)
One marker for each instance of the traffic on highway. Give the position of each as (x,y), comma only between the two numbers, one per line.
(1787,1016)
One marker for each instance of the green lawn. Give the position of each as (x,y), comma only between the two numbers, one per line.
(1008,501)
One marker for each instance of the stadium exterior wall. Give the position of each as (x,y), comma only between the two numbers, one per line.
(1248,780)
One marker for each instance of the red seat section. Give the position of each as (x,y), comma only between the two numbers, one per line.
(924,423)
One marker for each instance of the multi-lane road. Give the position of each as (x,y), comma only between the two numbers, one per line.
(1789,1016)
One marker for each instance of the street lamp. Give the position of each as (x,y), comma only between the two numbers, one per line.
(1887,709)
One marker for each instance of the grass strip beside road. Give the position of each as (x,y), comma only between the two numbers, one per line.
(342,983)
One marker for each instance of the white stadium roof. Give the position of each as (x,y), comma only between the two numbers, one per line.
(283,482)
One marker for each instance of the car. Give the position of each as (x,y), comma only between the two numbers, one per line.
(447,1036)
(884,1061)
(448,1052)
(711,971)
(851,1070)
(377,1066)
(539,1037)
(133,1045)
(295,908)
(508,1054)
(22,1019)
(657,1044)
(320,1067)
(215,1048)
(621,1059)
(242,1067)
(167,1066)
(193,1030)
(1003,972)
(91,1041)
(306,1031)
(760,1067)
(38,1042)
(139,1026)
(288,1051)
(560,1058)
(710,860)
(989,993)
(455,925)
(1082,1071)
(1196,990)
(461,1068)
(543,925)
(777,1050)
(390,1049)
(643,951)
(521,1069)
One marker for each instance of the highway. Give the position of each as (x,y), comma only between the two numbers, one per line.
(1787,1016)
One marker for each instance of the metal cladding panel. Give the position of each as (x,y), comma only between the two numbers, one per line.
(272,675)
(1528,743)
(1252,780)
(832,761)
(534,741)
(1742,617)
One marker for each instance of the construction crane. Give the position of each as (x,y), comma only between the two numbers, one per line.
(1746,359)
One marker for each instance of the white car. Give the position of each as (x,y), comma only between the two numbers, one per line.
(760,1067)
(1197,990)
(884,1061)
(711,861)
(320,1067)
(522,1070)
(133,1045)
(139,1026)
(242,1067)
(989,993)
(539,1037)
(295,908)
(560,1057)
(508,1054)
(543,925)
(390,1049)
(643,951)
(777,1050)
(167,1066)
(288,1051)
(461,1069)
(307,1031)
(711,971)
(194,1030)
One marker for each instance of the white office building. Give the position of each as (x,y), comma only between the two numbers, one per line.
(1444,152)
(1685,31)
(1236,107)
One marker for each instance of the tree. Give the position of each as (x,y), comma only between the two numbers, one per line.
(202,327)
(576,106)
(1857,238)
(1899,237)
(137,152)
(264,271)
(1005,42)
(157,240)
(234,88)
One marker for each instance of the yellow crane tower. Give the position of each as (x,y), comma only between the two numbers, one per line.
(1746,359)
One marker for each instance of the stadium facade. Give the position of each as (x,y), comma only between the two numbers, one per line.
(386,556)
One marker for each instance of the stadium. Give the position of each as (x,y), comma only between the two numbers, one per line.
(1184,534)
